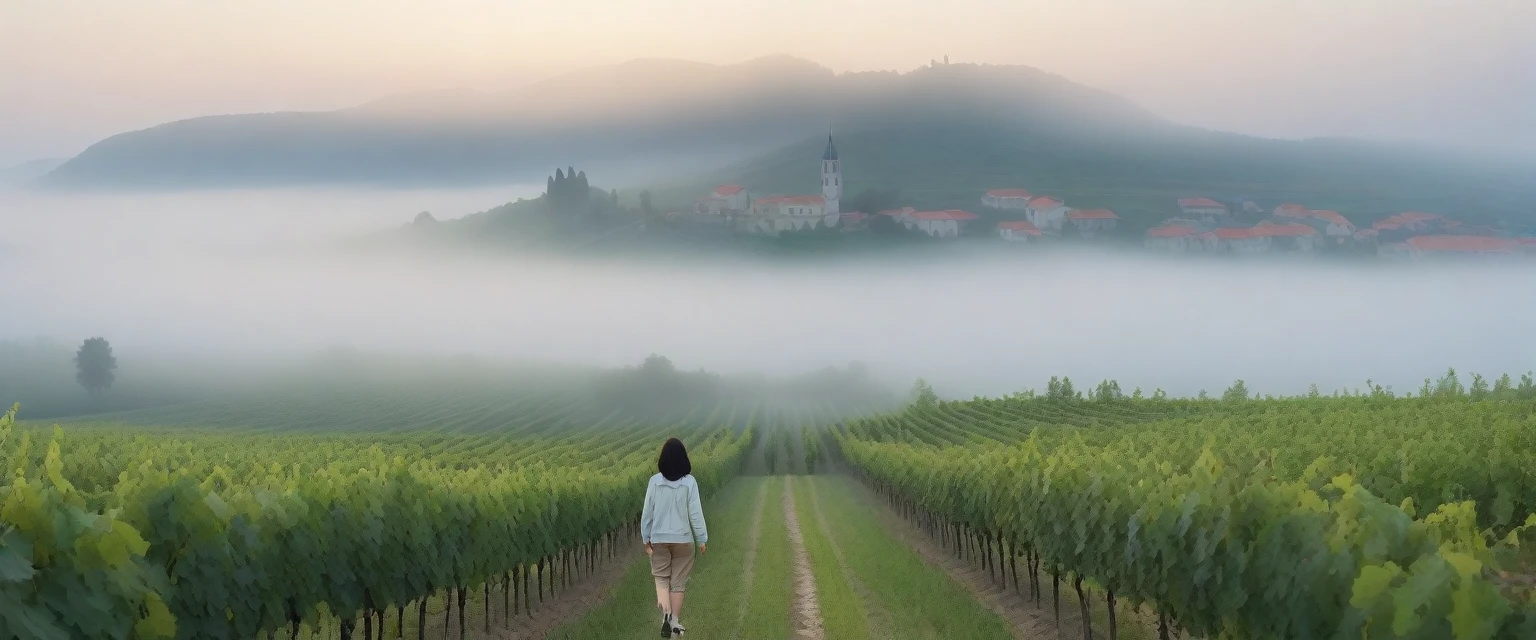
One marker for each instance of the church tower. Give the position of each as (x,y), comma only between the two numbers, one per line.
(831,178)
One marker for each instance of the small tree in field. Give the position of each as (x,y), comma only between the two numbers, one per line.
(923,394)
(94,364)
(1238,392)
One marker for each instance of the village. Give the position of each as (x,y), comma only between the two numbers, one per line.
(1201,225)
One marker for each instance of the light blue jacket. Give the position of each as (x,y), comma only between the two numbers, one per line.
(672,511)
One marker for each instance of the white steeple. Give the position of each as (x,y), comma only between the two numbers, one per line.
(831,177)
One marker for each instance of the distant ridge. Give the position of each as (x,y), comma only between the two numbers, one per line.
(26,172)
(941,133)
(649,113)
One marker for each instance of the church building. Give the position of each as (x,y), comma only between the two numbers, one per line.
(776,214)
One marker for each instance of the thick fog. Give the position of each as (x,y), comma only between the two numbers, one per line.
(259,273)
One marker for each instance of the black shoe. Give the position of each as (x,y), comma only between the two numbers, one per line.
(666,625)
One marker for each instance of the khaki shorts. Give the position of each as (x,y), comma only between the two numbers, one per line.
(671,562)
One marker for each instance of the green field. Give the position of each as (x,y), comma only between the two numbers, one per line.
(505,510)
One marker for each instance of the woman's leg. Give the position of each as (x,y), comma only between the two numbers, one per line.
(677,605)
(661,570)
(682,567)
(664,595)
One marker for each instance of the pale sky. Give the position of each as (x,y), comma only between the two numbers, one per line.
(74,71)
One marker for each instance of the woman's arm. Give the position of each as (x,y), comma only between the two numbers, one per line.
(646,517)
(696,515)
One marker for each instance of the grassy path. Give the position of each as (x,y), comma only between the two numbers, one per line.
(768,607)
(801,557)
(842,609)
(717,590)
(907,597)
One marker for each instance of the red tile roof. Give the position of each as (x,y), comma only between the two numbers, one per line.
(1093,214)
(897,213)
(1408,217)
(1200,203)
(951,214)
(1172,231)
(1292,210)
(1526,241)
(1479,230)
(854,216)
(1334,217)
(1008,193)
(1044,202)
(792,200)
(1020,226)
(1284,230)
(728,189)
(1236,233)
(1461,243)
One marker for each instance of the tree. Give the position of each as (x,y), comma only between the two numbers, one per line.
(871,201)
(657,365)
(645,204)
(94,364)
(1236,393)
(1479,387)
(1504,386)
(613,195)
(923,394)
(1450,385)
(1060,389)
(886,226)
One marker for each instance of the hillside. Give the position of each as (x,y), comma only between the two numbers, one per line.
(27,171)
(640,120)
(941,134)
(939,164)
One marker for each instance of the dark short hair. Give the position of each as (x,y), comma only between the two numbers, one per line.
(673,461)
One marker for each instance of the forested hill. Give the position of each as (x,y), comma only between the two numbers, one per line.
(665,116)
(948,163)
(942,134)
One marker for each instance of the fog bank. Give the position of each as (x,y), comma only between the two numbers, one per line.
(256,273)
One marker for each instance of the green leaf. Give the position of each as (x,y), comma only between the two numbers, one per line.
(157,621)
(1476,611)
(14,567)
(1371,583)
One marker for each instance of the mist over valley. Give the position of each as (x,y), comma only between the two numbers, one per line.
(257,274)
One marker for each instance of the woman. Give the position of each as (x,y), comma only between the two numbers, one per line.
(671,522)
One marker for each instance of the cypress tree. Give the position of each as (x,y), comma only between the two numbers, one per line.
(562,188)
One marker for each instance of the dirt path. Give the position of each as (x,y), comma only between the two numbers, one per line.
(750,561)
(805,612)
(1025,619)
